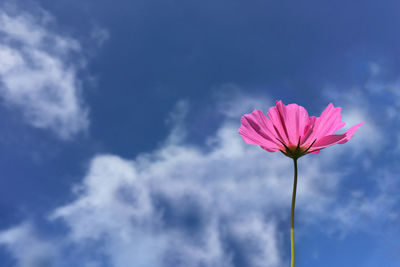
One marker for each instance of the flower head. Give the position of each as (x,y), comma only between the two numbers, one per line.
(290,130)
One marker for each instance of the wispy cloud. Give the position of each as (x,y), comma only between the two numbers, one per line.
(219,205)
(38,72)
(375,102)
(28,248)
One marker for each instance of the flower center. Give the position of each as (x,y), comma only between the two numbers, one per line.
(295,152)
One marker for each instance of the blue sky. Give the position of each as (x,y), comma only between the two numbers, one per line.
(119,143)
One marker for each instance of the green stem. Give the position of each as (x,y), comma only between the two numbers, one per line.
(292,211)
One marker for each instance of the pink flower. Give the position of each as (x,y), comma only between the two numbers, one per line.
(290,130)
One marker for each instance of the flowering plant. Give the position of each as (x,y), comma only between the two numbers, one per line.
(290,130)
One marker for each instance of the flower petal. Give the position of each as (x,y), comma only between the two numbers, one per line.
(289,122)
(296,121)
(329,122)
(350,132)
(328,141)
(289,129)
(270,149)
(266,125)
(253,130)
(308,130)
(277,115)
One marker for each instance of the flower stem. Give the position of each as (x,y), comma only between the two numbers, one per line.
(292,211)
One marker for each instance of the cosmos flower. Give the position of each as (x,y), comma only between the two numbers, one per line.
(290,130)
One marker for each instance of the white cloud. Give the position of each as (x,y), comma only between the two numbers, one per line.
(29,249)
(37,76)
(214,206)
(374,145)
(187,203)
(368,135)
(263,242)
(233,103)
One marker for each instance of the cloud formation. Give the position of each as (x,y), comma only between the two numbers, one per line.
(216,205)
(29,249)
(37,76)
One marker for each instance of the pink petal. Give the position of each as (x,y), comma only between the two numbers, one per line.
(266,124)
(253,131)
(277,114)
(289,122)
(296,120)
(350,132)
(270,149)
(328,123)
(328,140)
(308,130)
(285,126)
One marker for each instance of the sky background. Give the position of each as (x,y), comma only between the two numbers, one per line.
(119,143)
